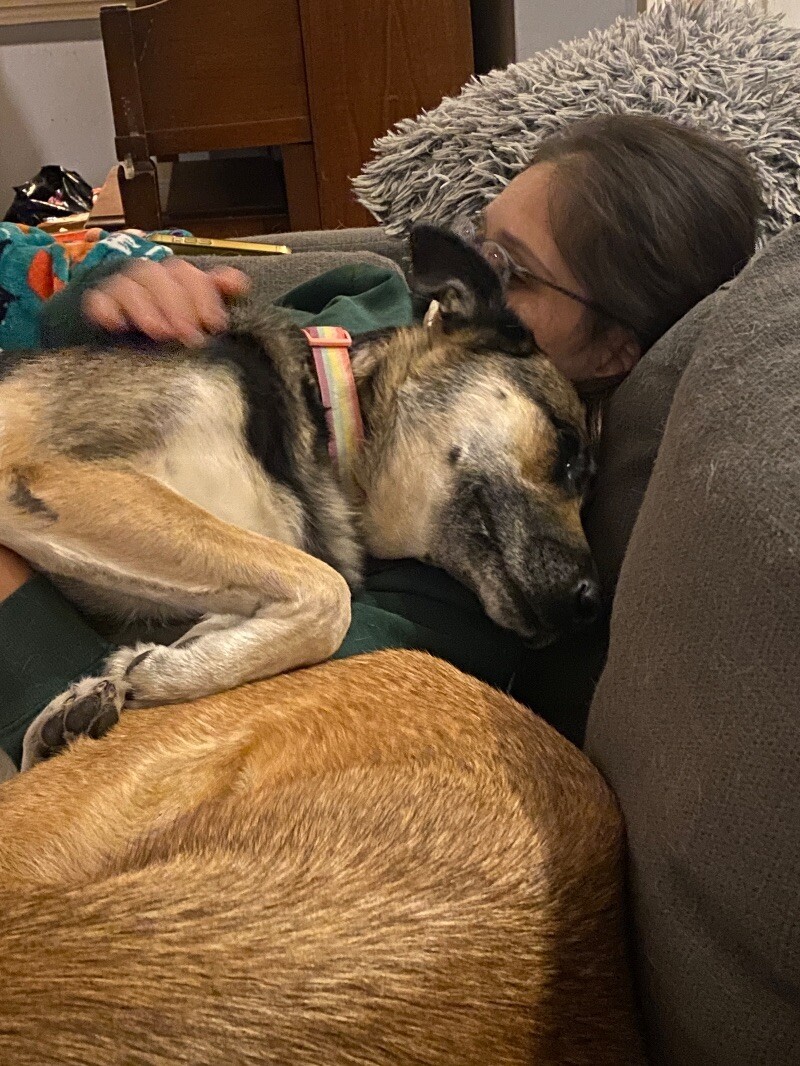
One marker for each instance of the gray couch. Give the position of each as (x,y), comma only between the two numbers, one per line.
(696,720)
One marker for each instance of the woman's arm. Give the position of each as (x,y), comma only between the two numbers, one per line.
(165,300)
(14,572)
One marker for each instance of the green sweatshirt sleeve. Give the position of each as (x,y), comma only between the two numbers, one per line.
(46,645)
(62,321)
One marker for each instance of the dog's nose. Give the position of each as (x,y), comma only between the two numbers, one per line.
(576,607)
(586,601)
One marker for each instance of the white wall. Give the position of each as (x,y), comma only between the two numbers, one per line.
(792,9)
(54,103)
(544,23)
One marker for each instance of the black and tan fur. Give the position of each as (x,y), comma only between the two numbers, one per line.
(175,486)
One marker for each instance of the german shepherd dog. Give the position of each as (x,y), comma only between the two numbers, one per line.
(197,487)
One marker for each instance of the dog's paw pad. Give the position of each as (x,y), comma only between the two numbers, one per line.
(78,717)
(52,736)
(89,708)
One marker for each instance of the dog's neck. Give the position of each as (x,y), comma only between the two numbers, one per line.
(382,361)
(379,363)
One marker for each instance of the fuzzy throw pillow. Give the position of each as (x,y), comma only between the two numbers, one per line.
(721,65)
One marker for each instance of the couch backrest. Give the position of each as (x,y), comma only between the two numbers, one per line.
(696,720)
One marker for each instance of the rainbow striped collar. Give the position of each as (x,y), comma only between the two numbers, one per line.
(331,348)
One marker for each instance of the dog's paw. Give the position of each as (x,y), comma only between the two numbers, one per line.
(88,708)
(170,673)
(150,673)
(137,670)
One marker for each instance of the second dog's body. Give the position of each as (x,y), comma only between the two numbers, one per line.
(376,861)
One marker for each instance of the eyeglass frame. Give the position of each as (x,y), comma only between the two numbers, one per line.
(525,275)
(474,234)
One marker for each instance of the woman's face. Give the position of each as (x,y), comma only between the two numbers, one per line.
(519,221)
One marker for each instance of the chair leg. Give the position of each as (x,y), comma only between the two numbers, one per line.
(141,200)
(302,193)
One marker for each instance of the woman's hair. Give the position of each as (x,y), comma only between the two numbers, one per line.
(650,216)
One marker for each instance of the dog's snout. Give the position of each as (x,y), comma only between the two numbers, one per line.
(576,606)
(586,601)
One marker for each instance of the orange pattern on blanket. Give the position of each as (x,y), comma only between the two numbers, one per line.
(41,275)
(78,245)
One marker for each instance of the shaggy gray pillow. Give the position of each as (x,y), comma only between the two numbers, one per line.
(723,66)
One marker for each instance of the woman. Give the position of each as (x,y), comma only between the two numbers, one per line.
(619,227)
(622,225)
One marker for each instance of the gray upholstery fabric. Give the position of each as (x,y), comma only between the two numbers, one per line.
(369,239)
(7,768)
(696,720)
(633,426)
(313,253)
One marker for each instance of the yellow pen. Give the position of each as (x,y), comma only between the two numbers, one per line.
(212,246)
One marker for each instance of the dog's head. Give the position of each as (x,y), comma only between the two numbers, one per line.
(478,456)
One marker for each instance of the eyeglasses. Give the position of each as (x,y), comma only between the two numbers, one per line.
(509,271)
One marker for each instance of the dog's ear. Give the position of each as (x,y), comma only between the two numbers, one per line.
(446,269)
(466,289)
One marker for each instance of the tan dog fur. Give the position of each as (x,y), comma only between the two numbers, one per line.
(374,861)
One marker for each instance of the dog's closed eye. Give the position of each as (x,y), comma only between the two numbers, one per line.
(571,469)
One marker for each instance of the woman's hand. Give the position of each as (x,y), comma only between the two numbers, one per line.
(14,572)
(166,300)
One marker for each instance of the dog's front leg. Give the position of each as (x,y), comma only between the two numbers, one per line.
(273,608)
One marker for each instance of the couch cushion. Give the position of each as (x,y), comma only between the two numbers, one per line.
(679,61)
(696,720)
(371,239)
(633,425)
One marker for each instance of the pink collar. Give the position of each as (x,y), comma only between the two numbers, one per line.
(331,348)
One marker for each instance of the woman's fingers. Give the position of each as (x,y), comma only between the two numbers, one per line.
(230,282)
(198,296)
(167,300)
(122,303)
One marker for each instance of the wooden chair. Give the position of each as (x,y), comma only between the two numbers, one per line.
(318,80)
(198,77)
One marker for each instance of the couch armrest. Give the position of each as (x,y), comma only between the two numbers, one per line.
(369,239)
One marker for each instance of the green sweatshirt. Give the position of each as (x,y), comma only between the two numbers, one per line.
(46,644)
